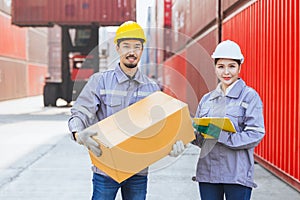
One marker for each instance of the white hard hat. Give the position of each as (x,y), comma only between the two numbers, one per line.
(228,49)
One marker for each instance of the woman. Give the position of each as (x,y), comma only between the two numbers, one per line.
(226,163)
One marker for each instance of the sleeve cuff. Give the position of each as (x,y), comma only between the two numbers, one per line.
(223,137)
(75,125)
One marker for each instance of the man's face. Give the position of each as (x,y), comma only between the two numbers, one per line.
(130,52)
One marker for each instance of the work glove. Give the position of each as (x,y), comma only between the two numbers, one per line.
(85,138)
(177,149)
(199,139)
(211,130)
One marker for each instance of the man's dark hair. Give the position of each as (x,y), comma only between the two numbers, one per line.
(123,39)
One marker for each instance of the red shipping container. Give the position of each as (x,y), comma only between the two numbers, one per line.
(168,13)
(268,33)
(175,76)
(35,79)
(201,18)
(12,40)
(72,12)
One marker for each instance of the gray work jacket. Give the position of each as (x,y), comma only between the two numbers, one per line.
(230,158)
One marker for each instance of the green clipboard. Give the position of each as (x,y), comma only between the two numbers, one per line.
(223,123)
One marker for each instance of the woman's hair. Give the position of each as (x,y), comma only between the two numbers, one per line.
(236,60)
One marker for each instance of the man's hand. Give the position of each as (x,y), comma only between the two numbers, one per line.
(85,138)
(177,149)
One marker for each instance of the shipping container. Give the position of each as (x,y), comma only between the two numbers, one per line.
(203,16)
(175,73)
(200,69)
(268,32)
(13,79)
(36,79)
(37,41)
(68,12)
(12,40)
(54,55)
(23,59)
(180,13)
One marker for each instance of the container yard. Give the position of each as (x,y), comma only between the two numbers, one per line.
(50,48)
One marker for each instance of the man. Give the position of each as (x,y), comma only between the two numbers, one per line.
(107,93)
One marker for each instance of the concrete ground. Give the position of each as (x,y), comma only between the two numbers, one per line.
(40,162)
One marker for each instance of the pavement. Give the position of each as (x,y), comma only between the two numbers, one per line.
(38,161)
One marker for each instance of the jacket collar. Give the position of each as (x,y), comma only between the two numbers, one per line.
(122,77)
(233,93)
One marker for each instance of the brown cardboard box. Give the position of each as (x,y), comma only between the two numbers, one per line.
(136,137)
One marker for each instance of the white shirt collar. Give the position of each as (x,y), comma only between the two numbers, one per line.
(229,88)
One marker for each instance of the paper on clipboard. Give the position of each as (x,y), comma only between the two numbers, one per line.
(223,123)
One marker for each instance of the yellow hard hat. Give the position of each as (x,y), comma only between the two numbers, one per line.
(130,30)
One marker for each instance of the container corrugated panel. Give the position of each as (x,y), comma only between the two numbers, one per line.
(13,80)
(268,32)
(202,14)
(36,79)
(71,12)
(37,41)
(175,73)
(54,55)
(228,3)
(12,40)
(180,18)
(159,35)
(55,62)
(168,13)
(167,43)
(54,35)
(200,69)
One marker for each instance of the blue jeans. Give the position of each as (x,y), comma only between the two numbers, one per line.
(211,191)
(105,188)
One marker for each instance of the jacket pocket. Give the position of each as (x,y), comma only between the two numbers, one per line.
(203,112)
(236,114)
(113,101)
(112,104)
(235,111)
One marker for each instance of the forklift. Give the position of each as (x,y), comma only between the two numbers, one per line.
(79,60)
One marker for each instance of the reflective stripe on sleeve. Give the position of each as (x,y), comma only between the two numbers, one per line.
(84,111)
(252,128)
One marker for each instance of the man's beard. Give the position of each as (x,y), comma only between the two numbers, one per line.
(130,65)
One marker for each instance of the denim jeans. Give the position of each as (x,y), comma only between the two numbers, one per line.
(105,188)
(211,191)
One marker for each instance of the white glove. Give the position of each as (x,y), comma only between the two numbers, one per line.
(177,149)
(85,138)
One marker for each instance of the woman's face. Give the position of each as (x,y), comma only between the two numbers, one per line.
(227,71)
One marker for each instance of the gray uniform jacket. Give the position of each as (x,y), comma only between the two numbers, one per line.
(230,158)
(107,93)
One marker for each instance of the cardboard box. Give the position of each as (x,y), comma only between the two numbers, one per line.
(136,137)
